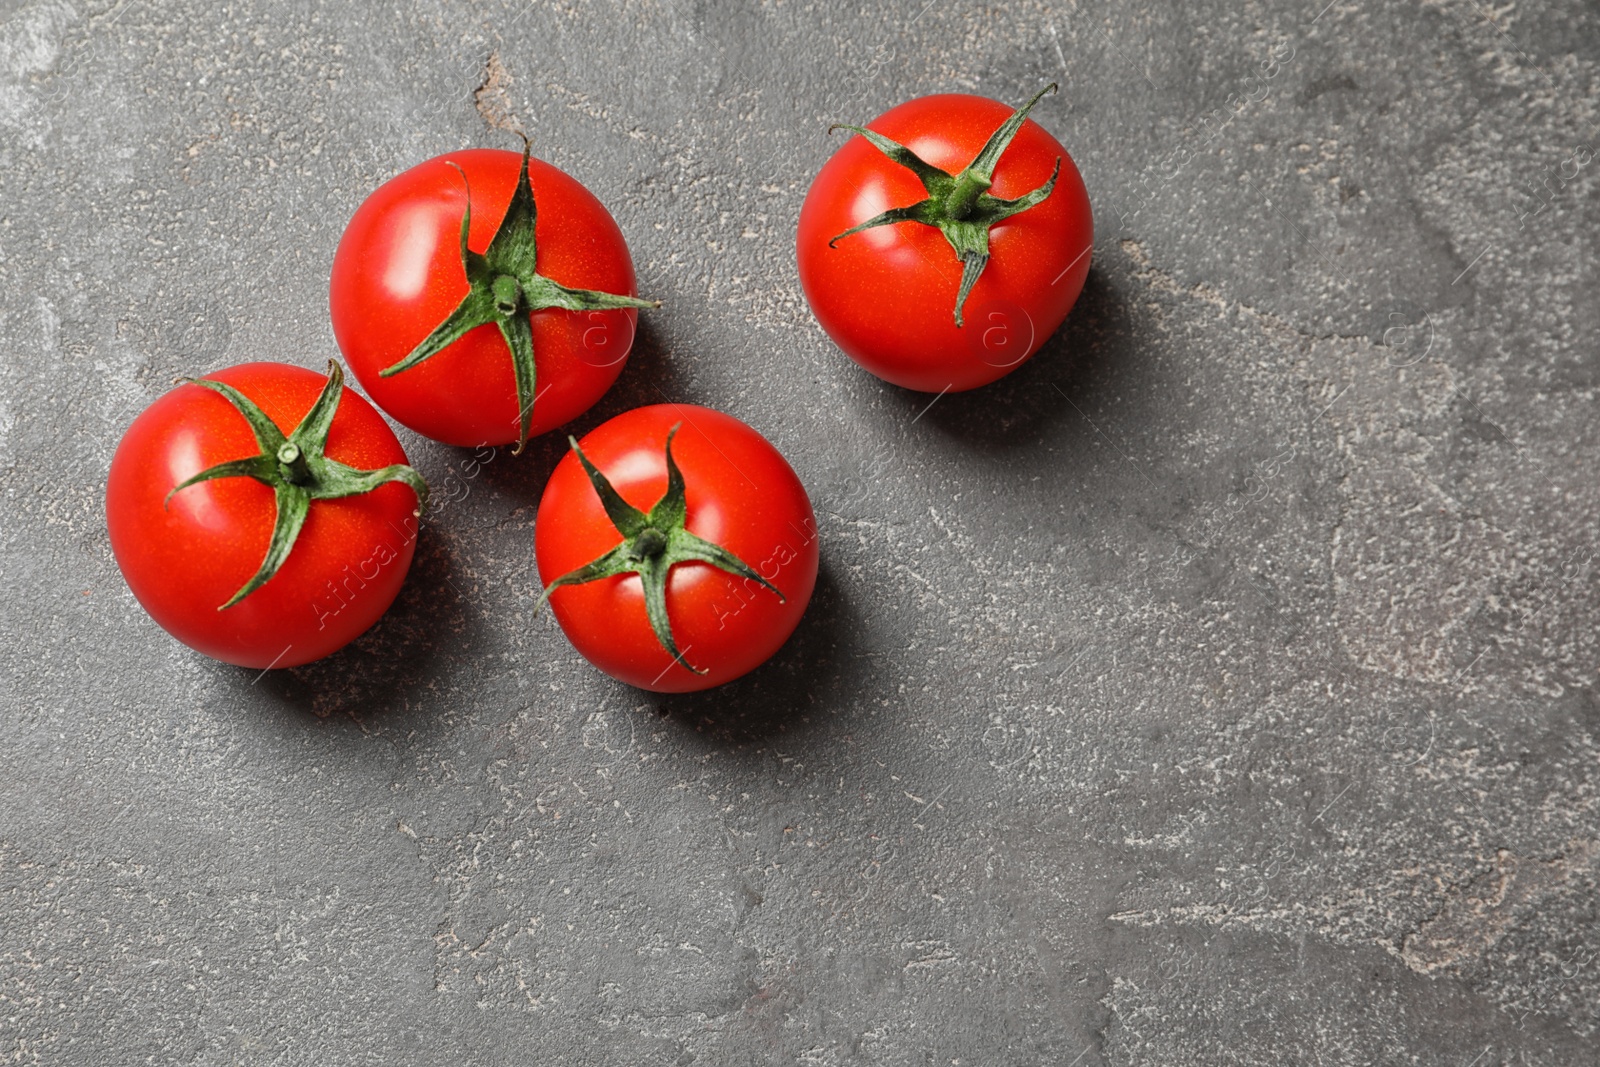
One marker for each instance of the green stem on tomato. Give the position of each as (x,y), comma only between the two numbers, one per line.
(958,205)
(504,287)
(652,544)
(296,469)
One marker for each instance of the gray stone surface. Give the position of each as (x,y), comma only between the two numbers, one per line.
(1218,688)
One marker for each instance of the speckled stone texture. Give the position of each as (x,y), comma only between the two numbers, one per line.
(1219,688)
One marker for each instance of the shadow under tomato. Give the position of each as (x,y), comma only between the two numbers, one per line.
(649,378)
(1094,353)
(812,672)
(377,673)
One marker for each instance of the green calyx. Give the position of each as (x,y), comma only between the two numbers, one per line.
(504,287)
(652,545)
(295,469)
(959,205)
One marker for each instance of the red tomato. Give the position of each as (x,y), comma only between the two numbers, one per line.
(186,556)
(398,274)
(739,494)
(886,295)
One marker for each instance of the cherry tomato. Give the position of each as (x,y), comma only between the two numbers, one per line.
(890,293)
(399,273)
(186,552)
(732,552)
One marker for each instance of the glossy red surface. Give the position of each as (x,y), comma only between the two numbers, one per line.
(184,559)
(740,493)
(887,295)
(397,274)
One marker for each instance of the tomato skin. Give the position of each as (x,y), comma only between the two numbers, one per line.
(887,295)
(741,494)
(397,274)
(184,559)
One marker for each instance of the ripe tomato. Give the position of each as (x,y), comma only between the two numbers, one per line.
(727,551)
(496,365)
(893,293)
(190,552)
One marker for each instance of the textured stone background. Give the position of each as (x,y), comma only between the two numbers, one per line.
(1218,688)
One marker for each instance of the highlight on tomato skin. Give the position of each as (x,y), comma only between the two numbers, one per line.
(935,263)
(727,608)
(190,552)
(516,334)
